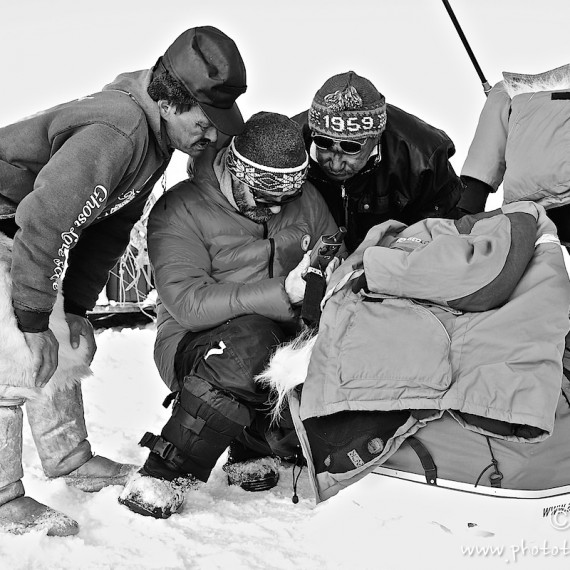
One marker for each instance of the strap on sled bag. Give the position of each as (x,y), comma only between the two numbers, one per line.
(430,468)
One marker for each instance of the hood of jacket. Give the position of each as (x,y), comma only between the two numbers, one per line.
(135,84)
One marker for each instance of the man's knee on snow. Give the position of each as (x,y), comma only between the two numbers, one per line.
(204,421)
(218,395)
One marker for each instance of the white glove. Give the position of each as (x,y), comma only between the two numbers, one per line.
(294,282)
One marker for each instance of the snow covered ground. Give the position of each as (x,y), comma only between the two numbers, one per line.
(377,523)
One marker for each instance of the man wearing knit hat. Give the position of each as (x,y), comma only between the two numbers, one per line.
(73,181)
(372,161)
(228,251)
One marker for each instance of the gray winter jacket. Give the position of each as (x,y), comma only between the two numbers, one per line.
(76,177)
(212,264)
(522,139)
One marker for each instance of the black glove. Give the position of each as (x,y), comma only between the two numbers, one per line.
(474,196)
(360,283)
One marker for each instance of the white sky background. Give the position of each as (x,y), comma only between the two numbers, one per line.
(59,50)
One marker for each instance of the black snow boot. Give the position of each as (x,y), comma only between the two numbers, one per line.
(158,489)
(155,497)
(251,470)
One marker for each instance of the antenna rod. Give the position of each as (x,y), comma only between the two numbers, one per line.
(486,86)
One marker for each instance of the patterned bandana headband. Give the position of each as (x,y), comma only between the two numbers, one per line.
(265,178)
(348,107)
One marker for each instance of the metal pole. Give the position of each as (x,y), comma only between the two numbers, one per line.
(486,86)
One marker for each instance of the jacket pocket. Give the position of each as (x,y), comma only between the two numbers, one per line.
(396,349)
(537,151)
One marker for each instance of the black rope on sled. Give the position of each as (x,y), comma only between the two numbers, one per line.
(495,477)
(299,462)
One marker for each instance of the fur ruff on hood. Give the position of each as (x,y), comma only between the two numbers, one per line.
(16,364)
(287,369)
(552,80)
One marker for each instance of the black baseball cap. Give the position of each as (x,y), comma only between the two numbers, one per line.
(209,65)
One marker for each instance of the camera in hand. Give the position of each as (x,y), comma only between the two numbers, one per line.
(321,255)
(325,249)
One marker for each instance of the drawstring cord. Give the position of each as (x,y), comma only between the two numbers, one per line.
(299,462)
(495,477)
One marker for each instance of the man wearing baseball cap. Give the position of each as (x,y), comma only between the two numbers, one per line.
(73,181)
(372,161)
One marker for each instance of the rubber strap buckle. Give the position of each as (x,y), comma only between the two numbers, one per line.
(172,396)
(157,444)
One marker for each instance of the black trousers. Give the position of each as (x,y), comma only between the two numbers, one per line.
(219,401)
(561,218)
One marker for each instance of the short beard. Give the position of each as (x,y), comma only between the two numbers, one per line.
(254,213)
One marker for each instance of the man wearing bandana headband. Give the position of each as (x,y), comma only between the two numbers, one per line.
(229,250)
(373,162)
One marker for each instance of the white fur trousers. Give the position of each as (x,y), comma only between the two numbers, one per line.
(16,365)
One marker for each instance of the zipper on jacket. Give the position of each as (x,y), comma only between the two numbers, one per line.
(345,204)
(271,256)
(271,250)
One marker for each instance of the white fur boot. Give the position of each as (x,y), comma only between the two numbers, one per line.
(58,428)
(20,514)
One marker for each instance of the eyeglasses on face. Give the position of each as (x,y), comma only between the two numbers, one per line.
(262,199)
(347,146)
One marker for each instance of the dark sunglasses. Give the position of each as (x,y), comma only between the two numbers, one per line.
(262,199)
(348,147)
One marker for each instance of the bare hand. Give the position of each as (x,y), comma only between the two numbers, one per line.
(81,327)
(294,282)
(44,347)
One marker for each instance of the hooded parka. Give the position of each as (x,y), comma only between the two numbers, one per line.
(76,178)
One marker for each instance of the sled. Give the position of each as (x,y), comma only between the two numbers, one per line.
(445,455)
(532,501)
